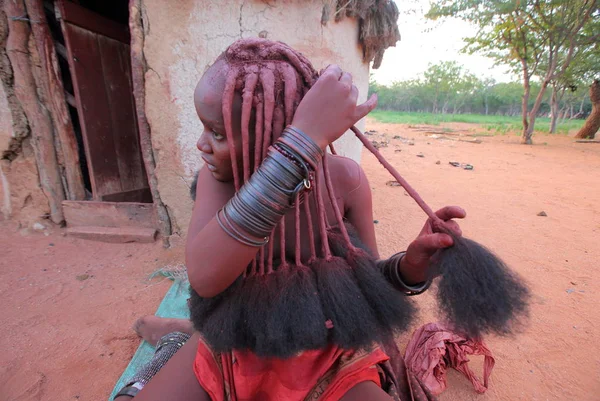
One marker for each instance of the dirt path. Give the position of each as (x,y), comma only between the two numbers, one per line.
(68,304)
(557,357)
(67,309)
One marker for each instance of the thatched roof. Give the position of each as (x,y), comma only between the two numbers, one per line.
(378,22)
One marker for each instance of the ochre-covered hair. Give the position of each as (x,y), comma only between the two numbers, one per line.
(272,79)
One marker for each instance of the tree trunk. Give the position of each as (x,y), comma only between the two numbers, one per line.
(533,113)
(592,124)
(487,105)
(26,91)
(54,97)
(563,114)
(554,109)
(525,138)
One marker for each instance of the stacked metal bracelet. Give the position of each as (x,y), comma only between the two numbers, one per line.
(285,173)
(391,271)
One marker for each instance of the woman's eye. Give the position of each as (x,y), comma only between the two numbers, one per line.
(218,136)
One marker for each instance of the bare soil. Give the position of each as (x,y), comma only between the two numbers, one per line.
(68,304)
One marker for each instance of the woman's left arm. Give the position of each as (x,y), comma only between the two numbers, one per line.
(414,265)
(358,208)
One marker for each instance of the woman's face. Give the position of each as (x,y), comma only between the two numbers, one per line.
(208,98)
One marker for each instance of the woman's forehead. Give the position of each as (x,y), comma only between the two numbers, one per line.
(208,102)
(208,95)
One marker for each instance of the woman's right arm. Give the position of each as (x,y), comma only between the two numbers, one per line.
(214,260)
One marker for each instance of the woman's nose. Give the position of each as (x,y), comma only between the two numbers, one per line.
(203,145)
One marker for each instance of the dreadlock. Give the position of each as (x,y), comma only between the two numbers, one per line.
(338,294)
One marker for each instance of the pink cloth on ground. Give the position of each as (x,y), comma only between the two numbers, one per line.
(435,347)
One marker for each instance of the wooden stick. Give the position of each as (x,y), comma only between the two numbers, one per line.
(138,70)
(413,194)
(26,92)
(469,140)
(54,95)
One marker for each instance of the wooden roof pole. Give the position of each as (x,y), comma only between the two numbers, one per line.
(39,120)
(138,71)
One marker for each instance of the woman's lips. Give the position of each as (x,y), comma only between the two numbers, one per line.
(211,167)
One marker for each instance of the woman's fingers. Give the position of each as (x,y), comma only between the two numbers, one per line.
(332,70)
(329,108)
(346,78)
(363,109)
(451,212)
(430,243)
(454,227)
(354,94)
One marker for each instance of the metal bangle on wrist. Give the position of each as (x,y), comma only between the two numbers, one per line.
(391,270)
(283,177)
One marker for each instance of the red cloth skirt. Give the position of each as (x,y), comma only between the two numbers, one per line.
(323,375)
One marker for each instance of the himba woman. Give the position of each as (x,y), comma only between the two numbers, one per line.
(289,300)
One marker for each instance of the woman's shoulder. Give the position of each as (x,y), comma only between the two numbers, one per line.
(346,174)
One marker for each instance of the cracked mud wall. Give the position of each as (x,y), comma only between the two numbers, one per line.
(181,40)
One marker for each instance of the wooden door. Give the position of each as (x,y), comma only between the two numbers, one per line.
(99,61)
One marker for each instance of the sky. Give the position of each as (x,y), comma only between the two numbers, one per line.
(424,42)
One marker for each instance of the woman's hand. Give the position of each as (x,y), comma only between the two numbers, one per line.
(329,108)
(415,263)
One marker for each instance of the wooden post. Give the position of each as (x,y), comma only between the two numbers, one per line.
(20,125)
(26,91)
(138,71)
(54,95)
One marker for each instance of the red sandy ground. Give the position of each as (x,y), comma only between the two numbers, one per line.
(68,304)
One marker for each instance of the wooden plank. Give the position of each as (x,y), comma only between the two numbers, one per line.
(53,87)
(117,80)
(126,56)
(114,234)
(109,214)
(93,109)
(142,195)
(588,141)
(93,22)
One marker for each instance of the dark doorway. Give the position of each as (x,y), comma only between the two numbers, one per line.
(95,37)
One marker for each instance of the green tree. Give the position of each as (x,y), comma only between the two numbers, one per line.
(572,85)
(442,81)
(539,39)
